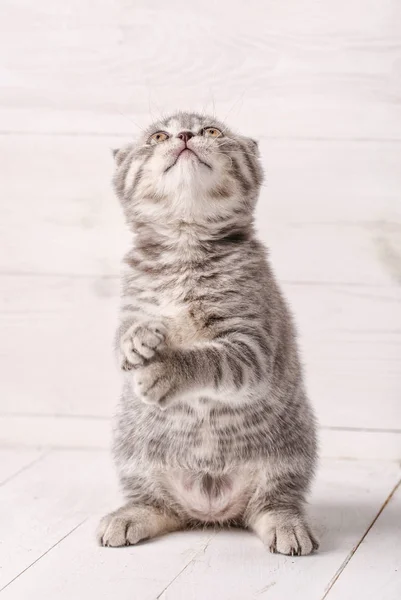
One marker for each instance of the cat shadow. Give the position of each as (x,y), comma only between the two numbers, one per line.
(337,525)
(341,524)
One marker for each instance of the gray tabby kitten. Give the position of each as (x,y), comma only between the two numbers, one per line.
(214,425)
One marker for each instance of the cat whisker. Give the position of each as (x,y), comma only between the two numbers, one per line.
(237,151)
(131,120)
(226,156)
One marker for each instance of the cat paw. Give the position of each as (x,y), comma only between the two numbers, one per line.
(154,383)
(285,534)
(140,343)
(115,531)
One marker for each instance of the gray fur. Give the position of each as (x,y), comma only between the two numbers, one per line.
(213,424)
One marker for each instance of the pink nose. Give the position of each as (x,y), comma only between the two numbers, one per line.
(185,136)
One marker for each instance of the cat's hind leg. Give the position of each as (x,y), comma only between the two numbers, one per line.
(134,522)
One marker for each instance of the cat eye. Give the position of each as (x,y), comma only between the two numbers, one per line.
(158,137)
(212,132)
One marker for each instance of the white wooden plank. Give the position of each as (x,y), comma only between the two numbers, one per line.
(343,442)
(63,431)
(92,572)
(350,339)
(16,460)
(49,502)
(227,565)
(66,215)
(69,324)
(309,72)
(374,571)
(46,502)
(351,349)
(329,211)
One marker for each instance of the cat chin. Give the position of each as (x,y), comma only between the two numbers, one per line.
(190,177)
(188,165)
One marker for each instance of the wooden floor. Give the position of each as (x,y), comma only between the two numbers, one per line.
(50,503)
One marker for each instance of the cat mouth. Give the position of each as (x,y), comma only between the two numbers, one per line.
(186,149)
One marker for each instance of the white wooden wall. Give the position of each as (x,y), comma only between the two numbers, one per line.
(318,82)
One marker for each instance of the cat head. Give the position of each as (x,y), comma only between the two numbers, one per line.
(188,167)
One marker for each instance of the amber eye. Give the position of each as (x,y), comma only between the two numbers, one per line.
(158,137)
(212,132)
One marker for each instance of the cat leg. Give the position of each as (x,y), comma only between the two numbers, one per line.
(285,532)
(134,522)
(276,513)
(231,363)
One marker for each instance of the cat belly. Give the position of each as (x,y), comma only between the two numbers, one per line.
(209,497)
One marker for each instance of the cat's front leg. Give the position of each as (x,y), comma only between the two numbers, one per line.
(174,373)
(161,380)
(133,523)
(229,364)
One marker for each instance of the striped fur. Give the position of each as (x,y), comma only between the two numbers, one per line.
(213,424)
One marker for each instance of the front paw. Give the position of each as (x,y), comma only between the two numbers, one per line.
(140,343)
(285,533)
(155,383)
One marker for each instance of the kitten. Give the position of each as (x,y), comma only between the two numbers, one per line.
(214,425)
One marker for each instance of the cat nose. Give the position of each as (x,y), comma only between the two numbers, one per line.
(185,135)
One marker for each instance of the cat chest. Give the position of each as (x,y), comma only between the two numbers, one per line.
(185,323)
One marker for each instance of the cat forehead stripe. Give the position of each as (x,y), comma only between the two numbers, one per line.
(182,122)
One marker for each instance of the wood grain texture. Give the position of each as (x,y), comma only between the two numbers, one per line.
(13,461)
(350,339)
(342,349)
(290,69)
(319,85)
(228,565)
(375,568)
(46,502)
(66,431)
(69,325)
(84,570)
(330,212)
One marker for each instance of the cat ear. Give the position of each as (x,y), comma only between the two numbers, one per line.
(120,153)
(253,146)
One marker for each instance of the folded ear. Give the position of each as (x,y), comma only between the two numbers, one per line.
(119,154)
(253,146)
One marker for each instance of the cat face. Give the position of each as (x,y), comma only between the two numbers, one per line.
(188,166)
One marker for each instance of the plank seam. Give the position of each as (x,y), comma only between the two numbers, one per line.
(42,555)
(193,559)
(26,467)
(27,415)
(355,549)
(116,277)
